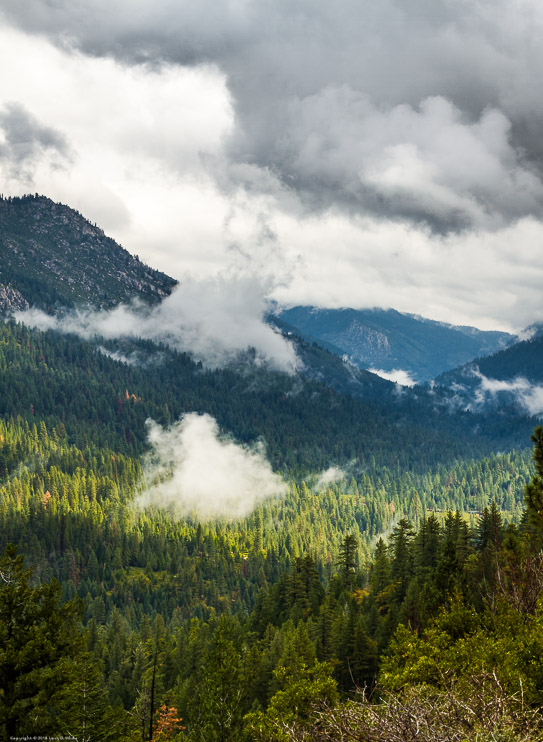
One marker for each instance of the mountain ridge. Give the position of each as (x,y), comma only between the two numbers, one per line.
(391,340)
(53,256)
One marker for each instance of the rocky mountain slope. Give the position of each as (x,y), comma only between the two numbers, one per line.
(51,256)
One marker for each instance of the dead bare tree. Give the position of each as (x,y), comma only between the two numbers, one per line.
(520,580)
(478,709)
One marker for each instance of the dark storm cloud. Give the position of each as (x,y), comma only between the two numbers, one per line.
(427,111)
(24,141)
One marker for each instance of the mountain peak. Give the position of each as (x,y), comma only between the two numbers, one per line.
(53,256)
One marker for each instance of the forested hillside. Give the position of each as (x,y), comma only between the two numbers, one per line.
(257,630)
(522,359)
(305,425)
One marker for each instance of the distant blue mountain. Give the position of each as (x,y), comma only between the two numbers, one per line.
(388,340)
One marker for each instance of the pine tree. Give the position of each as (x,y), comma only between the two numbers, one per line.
(347,560)
(402,563)
(533,495)
(491,530)
(39,639)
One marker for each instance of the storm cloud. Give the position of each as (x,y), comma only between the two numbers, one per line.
(394,150)
(24,141)
(402,110)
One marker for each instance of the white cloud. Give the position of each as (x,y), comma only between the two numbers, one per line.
(528,395)
(136,138)
(533,400)
(332,474)
(397,375)
(196,472)
(214,320)
(526,333)
(130,360)
(490,279)
(427,161)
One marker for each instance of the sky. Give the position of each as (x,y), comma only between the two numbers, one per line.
(352,153)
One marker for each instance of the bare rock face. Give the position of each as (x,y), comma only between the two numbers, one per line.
(11,300)
(364,344)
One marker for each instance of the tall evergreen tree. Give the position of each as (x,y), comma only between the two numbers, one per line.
(347,560)
(39,640)
(534,490)
(401,542)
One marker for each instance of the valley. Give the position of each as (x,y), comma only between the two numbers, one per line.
(371,524)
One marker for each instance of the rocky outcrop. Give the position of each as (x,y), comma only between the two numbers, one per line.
(11,300)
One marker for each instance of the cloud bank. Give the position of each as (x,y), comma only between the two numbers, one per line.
(196,472)
(395,149)
(428,119)
(214,320)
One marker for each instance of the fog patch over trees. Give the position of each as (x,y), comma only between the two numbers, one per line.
(195,471)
